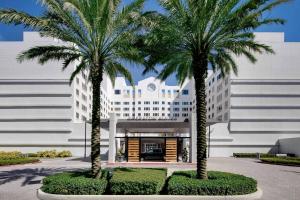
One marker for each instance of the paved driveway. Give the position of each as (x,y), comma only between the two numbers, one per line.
(277,182)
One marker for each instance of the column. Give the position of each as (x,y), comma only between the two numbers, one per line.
(112,137)
(193,138)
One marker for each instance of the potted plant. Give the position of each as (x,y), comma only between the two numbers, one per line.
(185,155)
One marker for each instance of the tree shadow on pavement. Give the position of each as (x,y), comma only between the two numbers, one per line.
(30,175)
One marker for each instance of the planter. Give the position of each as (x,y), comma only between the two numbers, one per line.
(45,196)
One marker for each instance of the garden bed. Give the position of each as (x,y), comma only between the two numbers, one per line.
(143,183)
(218,183)
(17,161)
(290,161)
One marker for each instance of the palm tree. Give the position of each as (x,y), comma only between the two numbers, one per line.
(193,35)
(97,34)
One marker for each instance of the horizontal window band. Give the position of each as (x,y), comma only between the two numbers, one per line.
(35,131)
(265,107)
(35,95)
(37,107)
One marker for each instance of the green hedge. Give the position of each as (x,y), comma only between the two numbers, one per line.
(253,155)
(282,161)
(75,183)
(134,181)
(218,183)
(17,161)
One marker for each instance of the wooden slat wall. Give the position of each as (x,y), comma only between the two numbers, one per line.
(133,150)
(171,150)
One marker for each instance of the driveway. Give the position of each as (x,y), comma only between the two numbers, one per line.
(277,182)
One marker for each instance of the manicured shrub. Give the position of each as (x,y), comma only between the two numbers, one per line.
(134,181)
(47,154)
(64,154)
(52,154)
(253,155)
(16,161)
(282,161)
(10,155)
(75,183)
(218,183)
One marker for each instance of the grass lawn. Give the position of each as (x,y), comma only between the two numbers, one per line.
(17,161)
(282,161)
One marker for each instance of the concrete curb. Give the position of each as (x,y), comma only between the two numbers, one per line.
(45,196)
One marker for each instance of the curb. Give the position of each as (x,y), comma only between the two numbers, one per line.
(46,196)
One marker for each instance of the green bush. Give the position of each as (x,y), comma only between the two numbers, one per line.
(10,155)
(75,183)
(218,183)
(52,154)
(282,161)
(16,161)
(134,181)
(64,154)
(253,155)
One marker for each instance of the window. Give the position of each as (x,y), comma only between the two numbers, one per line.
(77,92)
(83,97)
(219,88)
(146,114)
(146,102)
(117,92)
(83,118)
(84,87)
(176,109)
(176,103)
(169,103)
(147,108)
(163,103)
(84,108)
(226,116)
(185,114)
(185,92)
(117,109)
(126,109)
(77,104)
(219,76)
(185,109)
(155,114)
(185,103)
(219,98)
(226,104)
(117,103)
(176,115)
(156,108)
(226,93)
(140,92)
(163,93)
(155,102)
(77,115)
(139,102)
(126,103)
(125,115)
(139,108)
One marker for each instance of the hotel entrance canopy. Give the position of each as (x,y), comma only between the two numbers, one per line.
(144,126)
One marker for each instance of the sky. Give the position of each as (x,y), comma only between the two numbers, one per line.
(290,12)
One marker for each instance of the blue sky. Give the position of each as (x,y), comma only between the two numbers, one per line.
(290,12)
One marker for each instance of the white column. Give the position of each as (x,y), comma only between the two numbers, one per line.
(193,138)
(112,137)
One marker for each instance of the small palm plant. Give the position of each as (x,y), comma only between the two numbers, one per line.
(97,35)
(195,34)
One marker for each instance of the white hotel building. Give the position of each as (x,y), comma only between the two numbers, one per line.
(256,111)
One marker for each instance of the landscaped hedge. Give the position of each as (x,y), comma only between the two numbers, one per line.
(10,155)
(134,181)
(75,183)
(17,161)
(51,154)
(253,155)
(282,161)
(218,183)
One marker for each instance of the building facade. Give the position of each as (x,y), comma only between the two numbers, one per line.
(250,112)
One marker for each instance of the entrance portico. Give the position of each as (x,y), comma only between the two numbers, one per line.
(165,140)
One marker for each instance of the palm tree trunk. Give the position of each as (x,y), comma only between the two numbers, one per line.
(95,135)
(200,70)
